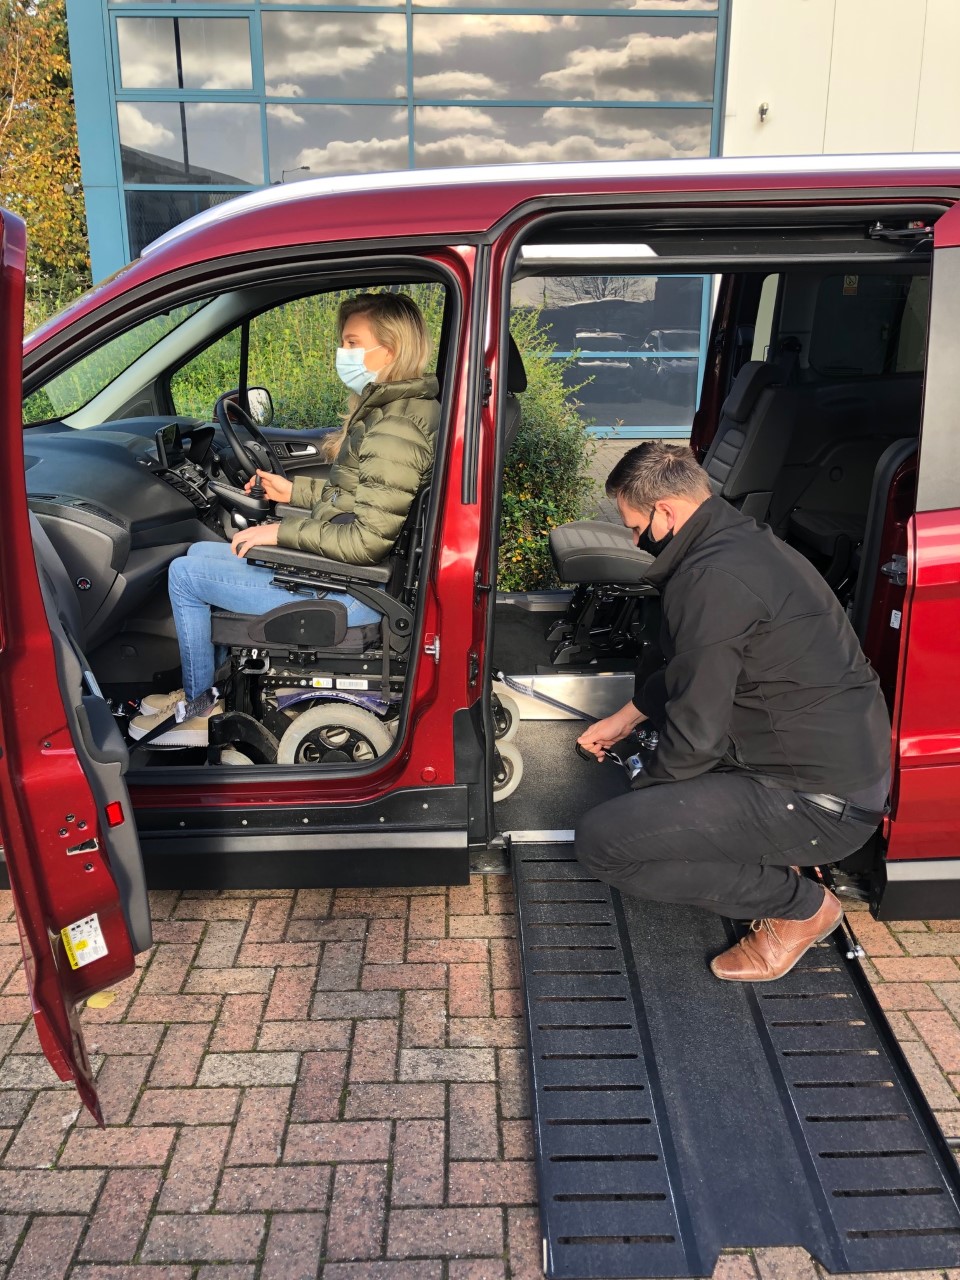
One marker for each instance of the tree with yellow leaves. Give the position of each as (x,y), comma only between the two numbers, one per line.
(39,159)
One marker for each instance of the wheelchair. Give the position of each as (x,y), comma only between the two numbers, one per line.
(302,686)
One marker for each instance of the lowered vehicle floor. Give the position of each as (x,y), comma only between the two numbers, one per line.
(676,1116)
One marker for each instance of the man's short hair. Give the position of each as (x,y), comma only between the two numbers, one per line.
(653,471)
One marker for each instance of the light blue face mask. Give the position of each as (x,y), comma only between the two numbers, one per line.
(351,370)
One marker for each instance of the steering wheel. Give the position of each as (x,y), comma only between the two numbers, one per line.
(251,454)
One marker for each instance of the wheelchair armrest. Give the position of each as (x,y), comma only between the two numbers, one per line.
(285,509)
(280,558)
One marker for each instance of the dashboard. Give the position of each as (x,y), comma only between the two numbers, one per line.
(116,512)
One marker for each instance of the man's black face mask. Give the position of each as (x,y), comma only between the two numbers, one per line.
(646,541)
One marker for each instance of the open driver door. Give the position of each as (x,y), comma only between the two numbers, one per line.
(66,823)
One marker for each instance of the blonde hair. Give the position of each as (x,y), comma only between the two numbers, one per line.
(397,323)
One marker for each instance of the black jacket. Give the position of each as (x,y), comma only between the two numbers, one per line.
(764,673)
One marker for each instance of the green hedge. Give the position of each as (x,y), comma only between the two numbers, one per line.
(546,479)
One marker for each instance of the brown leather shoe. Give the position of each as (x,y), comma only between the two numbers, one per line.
(772,947)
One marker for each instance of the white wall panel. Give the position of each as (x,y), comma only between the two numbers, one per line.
(938,108)
(779,54)
(874,75)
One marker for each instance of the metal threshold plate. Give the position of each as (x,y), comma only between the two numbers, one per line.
(676,1115)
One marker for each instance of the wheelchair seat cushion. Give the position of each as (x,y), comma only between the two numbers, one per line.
(595,551)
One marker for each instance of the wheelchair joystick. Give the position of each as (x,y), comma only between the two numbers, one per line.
(257,490)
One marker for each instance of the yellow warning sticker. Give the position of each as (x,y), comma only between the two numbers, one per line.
(83,941)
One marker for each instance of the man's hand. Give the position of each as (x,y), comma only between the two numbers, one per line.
(276,488)
(602,735)
(261,535)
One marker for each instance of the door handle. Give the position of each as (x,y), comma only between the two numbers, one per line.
(301,451)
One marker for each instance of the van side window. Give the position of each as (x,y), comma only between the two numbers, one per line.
(867,324)
(766,312)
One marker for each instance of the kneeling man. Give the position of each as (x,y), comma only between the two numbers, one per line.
(774,736)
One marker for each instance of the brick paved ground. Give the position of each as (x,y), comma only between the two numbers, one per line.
(331,1085)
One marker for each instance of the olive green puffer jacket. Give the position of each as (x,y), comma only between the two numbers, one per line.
(386,457)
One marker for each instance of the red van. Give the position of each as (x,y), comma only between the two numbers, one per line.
(828,408)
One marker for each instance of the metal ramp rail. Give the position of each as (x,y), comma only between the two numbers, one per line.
(676,1116)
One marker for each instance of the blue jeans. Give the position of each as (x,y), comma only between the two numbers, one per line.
(210,575)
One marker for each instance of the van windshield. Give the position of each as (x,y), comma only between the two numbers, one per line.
(76,386)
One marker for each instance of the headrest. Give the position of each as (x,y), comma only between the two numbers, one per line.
(516,374)
(747,385)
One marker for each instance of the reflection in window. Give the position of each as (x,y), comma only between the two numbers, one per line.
(151,214)
(323,55)
(335,139)
(573,58)
(168,142)
(454,136)
(184,53)
(636,339)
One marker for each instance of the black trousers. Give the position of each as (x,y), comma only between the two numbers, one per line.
(720,841)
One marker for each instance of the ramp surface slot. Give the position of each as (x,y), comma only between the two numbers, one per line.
(889,1191)
(843,1084)
(597,1197)
(589,1057)
(824,1022)
(903,1233)
(830,1053)
(897,1115)
(616,1239)
(594,1088)
(581,999)
(618,1120)
(866,1155)
(618,1159)
(585,1026)
(675,1116)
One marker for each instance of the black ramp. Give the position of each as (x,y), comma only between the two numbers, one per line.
(676,1116)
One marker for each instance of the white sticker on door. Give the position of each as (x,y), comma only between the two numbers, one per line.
(83,941)
(895,617)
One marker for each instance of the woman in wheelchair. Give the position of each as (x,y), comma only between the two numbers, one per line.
(385,456)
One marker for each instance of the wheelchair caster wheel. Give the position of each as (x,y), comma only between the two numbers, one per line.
(507,770)
(334,733)
(506,717)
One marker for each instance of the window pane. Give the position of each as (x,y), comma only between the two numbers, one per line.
(184,53)
(335,140)
(72,389)
(637,339)
(187,142)
(196,386)
(335,55)
(453,136)
(151,213)
(574,58)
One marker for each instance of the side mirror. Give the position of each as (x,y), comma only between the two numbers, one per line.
(260,405)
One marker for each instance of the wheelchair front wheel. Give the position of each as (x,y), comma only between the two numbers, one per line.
(334,733)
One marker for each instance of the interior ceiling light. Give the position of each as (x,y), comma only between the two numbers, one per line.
(610,253)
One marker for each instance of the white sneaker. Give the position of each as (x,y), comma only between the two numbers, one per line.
(192,733)
(161,704)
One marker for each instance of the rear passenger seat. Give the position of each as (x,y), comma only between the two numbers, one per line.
(821,498)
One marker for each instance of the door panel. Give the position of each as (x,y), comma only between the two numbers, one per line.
(54,792)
